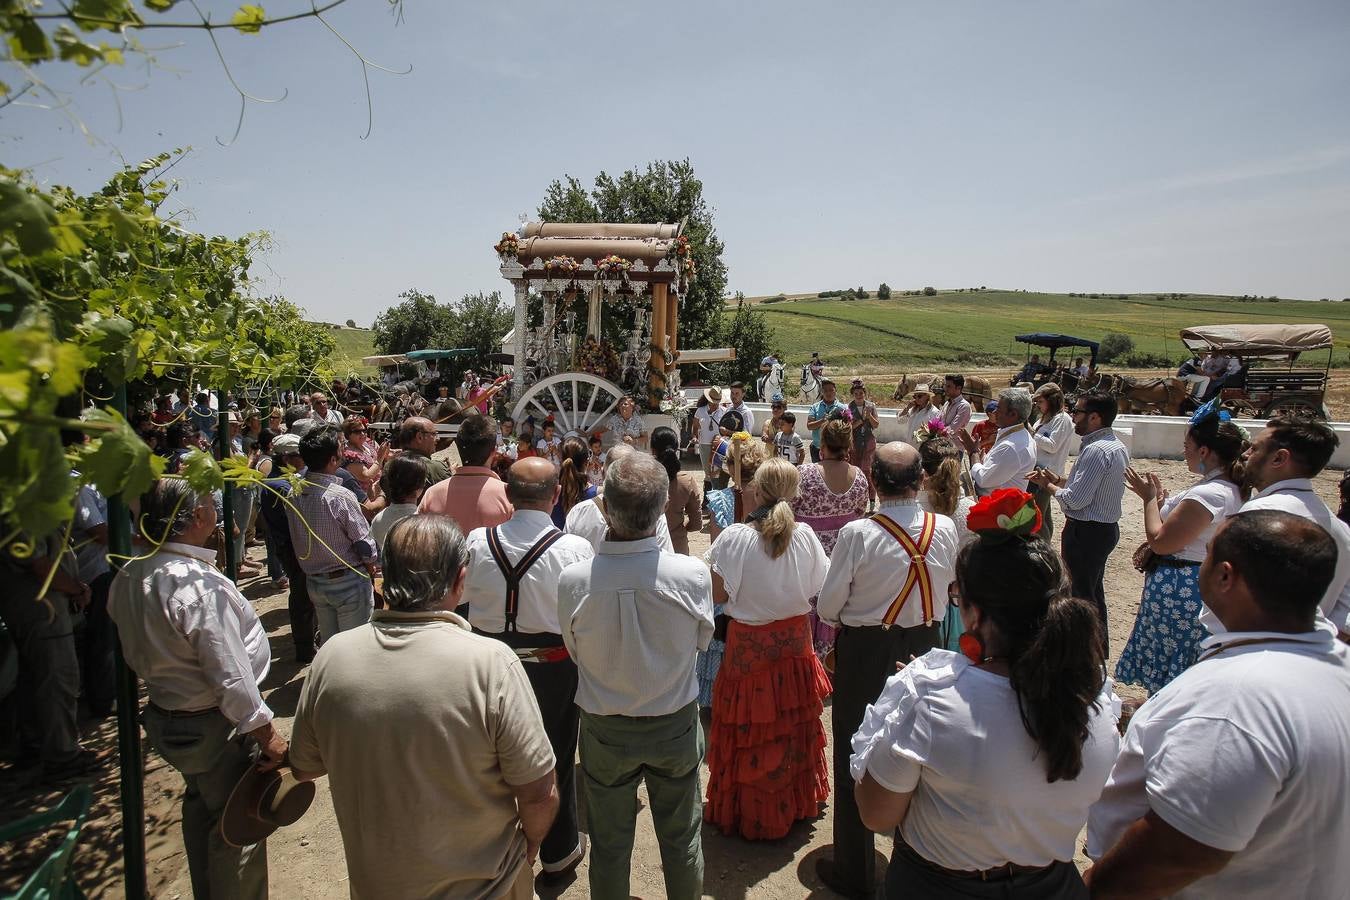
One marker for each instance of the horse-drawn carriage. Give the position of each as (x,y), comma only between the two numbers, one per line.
(1265,379)
(1037,372)
(597,317)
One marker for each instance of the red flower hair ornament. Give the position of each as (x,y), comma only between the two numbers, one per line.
(1004,514)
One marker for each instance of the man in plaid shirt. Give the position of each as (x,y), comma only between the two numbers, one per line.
(332,539)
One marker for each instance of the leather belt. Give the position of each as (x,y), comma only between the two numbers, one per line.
(997,873)
(181,713)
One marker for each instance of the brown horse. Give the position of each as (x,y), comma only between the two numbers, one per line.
(977,389)
(1156,396)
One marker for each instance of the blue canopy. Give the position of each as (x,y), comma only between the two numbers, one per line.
(1055,341)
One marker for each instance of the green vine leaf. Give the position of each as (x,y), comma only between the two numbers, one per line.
(118,462)
(202,473)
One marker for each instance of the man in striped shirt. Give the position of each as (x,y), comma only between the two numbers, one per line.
(1090,498)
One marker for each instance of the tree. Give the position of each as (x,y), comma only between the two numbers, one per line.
(351,323)
(862,293)
(418,323)
(884,291)
(666,192)
(930,292)
(481,321)
(751,334)
(1115,345)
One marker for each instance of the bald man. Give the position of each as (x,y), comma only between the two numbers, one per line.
(512,595)
(886,592)
(417,437)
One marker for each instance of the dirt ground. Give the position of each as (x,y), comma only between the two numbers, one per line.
(306,860)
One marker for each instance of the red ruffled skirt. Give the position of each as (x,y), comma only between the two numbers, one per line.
(766,751)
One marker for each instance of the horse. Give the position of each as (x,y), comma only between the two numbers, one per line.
(1164,396)
(977,389)
(810,385)
(770,384)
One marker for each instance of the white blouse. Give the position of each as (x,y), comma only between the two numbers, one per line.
(761,589)
(951,733)
(1219,497)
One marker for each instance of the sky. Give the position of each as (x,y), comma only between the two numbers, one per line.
(1091,145)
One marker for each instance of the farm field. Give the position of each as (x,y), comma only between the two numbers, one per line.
(976,328)
(352,344)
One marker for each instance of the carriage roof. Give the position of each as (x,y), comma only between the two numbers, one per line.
(423,355)
(385,361)
(1055,341)
(1257,339)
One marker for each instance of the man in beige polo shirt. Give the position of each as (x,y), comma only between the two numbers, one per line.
(441,772)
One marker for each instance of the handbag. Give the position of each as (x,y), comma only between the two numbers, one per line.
(1144,559)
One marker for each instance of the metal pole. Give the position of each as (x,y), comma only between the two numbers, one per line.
(227,502)
(128,707)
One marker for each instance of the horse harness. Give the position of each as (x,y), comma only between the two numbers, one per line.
(514,574)
(918,575)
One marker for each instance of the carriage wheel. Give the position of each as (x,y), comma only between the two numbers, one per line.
(577,401)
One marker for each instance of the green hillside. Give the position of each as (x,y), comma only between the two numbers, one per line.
(976,327)
(352,345)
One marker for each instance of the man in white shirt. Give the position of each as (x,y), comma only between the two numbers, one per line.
(956,412)
(888,608)
(1013,456)
(321,412)
(1234,779)
(512,595)
(587,519)
(1280,465)
(738,405)
(633,619)
(202,652)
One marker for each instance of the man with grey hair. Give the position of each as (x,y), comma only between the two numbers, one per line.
(202,652)
(511,592)
(587,520)
(633,618)
(430,737)
(1013,456)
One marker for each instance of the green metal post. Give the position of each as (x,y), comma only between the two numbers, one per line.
(227,502)
(128,706)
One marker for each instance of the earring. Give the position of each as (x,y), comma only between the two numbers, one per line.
(971,647)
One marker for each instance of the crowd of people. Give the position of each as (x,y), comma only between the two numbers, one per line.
(471,633)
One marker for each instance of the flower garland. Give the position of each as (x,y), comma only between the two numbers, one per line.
(561,265)
(612,266)
(508,245)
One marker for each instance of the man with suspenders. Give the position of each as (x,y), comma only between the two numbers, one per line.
(511,591)
(887,593)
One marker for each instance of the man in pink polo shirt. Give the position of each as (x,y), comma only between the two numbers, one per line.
(474,496)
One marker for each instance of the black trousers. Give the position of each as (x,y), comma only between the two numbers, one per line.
(96,644)
(1086,546)
(910,877)
(864,658)
(555,689)
(815,453)
(298,605)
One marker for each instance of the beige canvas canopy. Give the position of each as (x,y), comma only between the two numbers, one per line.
(1266,340)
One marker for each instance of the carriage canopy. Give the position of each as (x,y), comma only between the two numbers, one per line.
(1056,341)
(424,355)
(1257,340)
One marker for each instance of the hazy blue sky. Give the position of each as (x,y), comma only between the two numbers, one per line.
(1121,145)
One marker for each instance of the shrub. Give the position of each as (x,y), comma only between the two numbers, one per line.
(1115,346)
(930,292)
(1140,360)
(884,291)
(862,294)
(777,298)
(351,323)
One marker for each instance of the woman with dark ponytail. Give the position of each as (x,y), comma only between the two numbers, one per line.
(576,486)
(1167,632)
(684,505)
(987,760)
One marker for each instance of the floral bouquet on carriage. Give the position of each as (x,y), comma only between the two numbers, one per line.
(508,245)
(676,405)
(612,267)
(561,266)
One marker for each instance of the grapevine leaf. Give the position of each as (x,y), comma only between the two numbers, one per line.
(112,338)
(249,18)
(119,462)
(28,42)
(160,5)
(201,472)
(28,216)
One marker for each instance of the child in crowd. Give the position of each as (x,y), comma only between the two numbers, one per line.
(787,443)
(595,466)
(549,445)
(985,432)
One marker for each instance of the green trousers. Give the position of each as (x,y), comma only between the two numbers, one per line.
(618,752)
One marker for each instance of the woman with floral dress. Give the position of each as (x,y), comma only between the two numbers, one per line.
(626,424)
(833,493)
(1166,637)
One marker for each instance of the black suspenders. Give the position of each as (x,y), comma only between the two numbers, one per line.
(514,574)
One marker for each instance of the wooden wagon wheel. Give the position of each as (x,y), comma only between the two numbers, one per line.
(577,401)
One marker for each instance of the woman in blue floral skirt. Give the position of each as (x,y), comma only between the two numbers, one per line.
(1167,632)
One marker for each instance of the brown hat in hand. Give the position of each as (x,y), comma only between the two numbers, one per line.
(261,803)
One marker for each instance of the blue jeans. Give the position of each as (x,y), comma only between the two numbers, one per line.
(341,602)
(244,499)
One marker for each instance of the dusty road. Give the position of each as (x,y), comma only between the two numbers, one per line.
(306,860)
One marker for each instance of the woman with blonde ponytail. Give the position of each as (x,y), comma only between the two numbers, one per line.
(572,478)
(766,749)
(984,763)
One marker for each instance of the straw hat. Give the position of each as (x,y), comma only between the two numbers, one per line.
(923,389)
(261,803)
(712,394)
